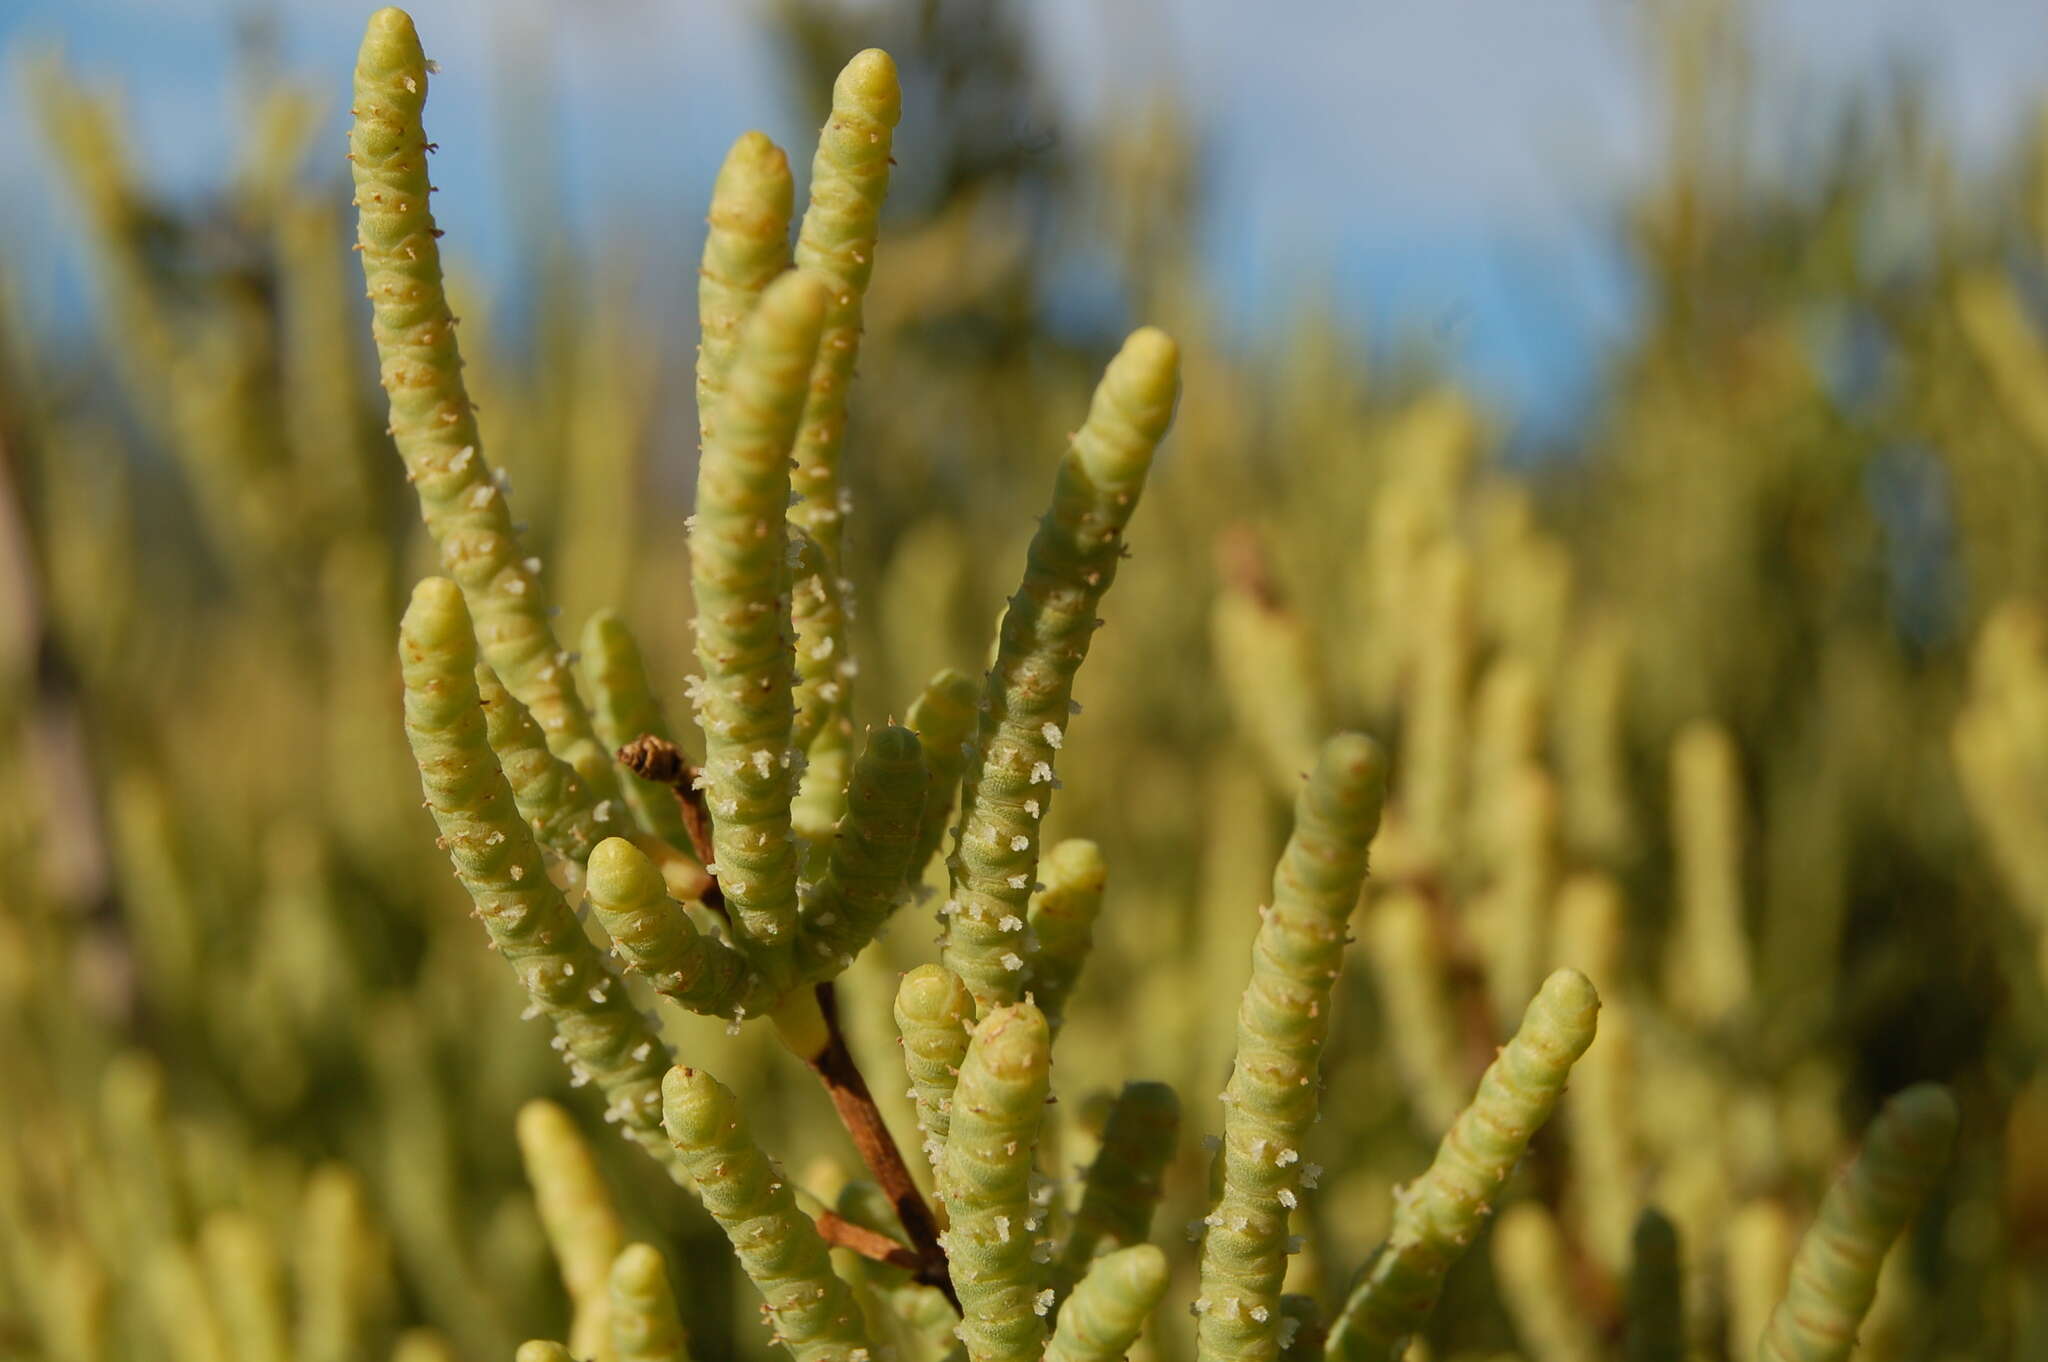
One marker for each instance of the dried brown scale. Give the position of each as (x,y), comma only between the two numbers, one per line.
(661,761)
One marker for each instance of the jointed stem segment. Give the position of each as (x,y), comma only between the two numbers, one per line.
(582,1226)
(849,178)
(1281,1025)
(943,717)
(550,795)
(497,860)
(745,249)
(778,1246)
(740,572)
(864,877)
(432,418)
(1441,1213)
(1045,633)
(1062,923)
(1656,1292)
(986,1186)
(1834,1275)
(645,1324)
(1102,1319)
(623,708)
(512,764)
(1121,1189)
(935,1020)
(655,937)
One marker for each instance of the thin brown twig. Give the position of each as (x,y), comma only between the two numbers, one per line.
(661,761)
(836,1069)
(840,1232)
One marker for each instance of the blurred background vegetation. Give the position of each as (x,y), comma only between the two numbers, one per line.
(1731,689)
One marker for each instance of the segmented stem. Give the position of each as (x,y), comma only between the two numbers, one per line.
(1437,1216)
(247,1285)
(1121,1188)
(864,875)
(1282,1022)
(1062,924)
(646,1327)
(986,1186)
(655,936)
(943,718)
(432,418)
(746,248)
(1707,974)
(935,1018)
(778,1247)
(1103,1317)
(849,179)
(1533,1265)
(1757,1263)
(1045,635)
(820,620)
(499,863)
(1410,975)
(576,1211)
(550,795)
(740,573)
(622,707)
(1834,1274)
(342,1268)
(1656,1292)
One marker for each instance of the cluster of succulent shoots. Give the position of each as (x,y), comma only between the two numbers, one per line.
(739,885)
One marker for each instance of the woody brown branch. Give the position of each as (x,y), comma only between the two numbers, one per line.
(855,1104)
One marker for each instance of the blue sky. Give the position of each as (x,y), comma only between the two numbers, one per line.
(1441,167)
